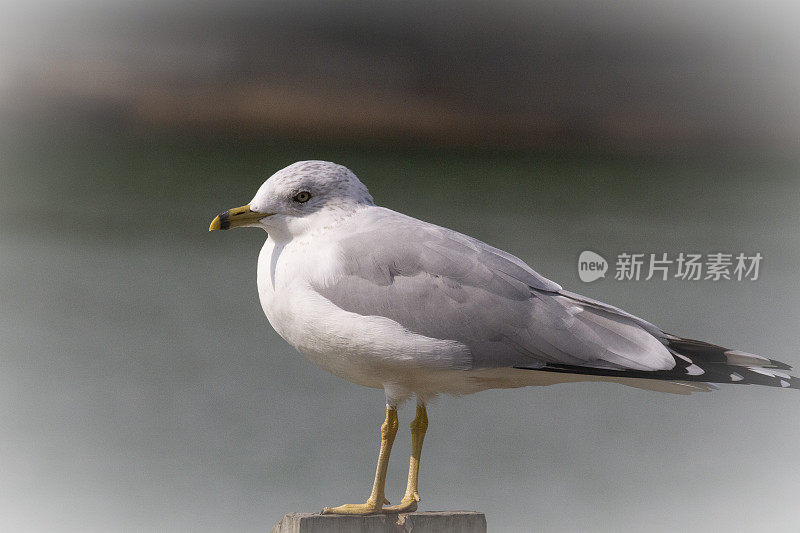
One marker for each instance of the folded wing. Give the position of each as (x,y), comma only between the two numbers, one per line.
(445,285)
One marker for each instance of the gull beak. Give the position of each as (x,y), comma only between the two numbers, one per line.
(233,218)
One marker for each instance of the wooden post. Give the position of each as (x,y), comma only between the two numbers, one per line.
(432,522)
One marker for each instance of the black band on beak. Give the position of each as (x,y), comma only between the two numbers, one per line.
(224,220)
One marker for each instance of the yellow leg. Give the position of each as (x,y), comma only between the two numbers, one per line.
(377,498)
(418,428)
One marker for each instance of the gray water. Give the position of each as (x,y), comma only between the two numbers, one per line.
(142,389)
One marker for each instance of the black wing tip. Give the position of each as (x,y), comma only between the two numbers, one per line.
(778,365)
(721,374)
(704,352)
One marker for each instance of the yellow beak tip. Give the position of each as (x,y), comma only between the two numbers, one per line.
(215,224)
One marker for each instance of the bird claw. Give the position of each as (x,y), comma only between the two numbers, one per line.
(368,507)
(407,505)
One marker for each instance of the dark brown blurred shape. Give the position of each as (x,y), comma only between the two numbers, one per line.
(634,77)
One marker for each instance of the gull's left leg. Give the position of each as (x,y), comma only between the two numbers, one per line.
(377,498)
(418,428)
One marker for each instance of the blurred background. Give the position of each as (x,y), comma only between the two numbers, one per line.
(141,387)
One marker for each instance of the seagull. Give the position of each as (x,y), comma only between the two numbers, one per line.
(391,302)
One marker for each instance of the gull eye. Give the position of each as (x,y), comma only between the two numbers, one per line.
(302,197)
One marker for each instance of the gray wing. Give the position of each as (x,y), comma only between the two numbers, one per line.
(442,284)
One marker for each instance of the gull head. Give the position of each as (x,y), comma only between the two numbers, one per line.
(298,198)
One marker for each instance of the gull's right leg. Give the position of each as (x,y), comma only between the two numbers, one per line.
(377,498)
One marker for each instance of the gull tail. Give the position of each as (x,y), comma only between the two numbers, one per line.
(698,362)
